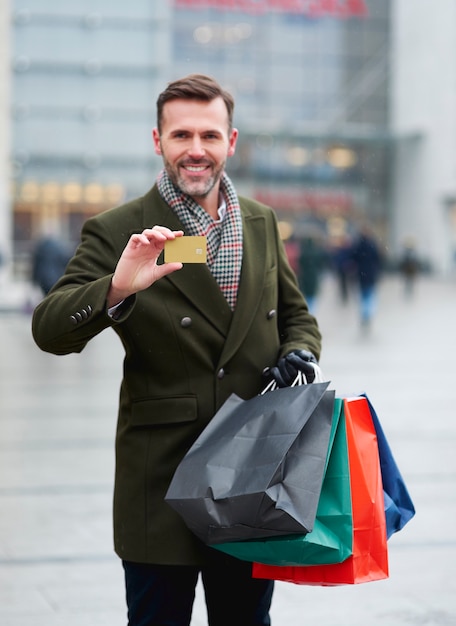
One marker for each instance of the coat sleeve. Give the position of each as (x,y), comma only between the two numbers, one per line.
(298,329)
(75,310)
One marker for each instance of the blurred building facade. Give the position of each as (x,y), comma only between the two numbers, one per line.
(5,135)
(343,116)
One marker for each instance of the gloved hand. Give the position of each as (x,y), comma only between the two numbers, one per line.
(288,367)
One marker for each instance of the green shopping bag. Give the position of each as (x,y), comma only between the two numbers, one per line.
(331,539)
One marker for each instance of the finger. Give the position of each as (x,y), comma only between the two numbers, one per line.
(163,232)
(291,365)
(287,374)
(305,355)
(167,268)
(297,360)
(139,239)
(304,366)
(310,374)
(278,377)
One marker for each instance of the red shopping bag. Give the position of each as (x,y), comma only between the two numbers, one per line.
(369,560)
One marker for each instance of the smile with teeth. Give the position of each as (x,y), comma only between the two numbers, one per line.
(195,168)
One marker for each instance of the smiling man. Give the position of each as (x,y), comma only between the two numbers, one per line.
(194,138)
(193,334)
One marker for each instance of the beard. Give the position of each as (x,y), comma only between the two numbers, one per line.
(194,186)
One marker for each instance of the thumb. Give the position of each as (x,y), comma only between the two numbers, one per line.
(167,268)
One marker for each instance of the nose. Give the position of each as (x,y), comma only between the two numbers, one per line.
(196,148)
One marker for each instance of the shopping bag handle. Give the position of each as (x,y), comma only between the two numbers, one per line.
(299,380)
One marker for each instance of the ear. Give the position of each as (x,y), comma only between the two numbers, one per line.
(156,140)
(232,141)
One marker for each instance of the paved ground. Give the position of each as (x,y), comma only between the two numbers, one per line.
(57,420)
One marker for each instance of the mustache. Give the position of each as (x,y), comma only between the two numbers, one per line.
(196,162)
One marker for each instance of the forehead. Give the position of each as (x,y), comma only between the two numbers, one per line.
(195,114)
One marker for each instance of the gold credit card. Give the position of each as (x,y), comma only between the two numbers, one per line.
(186,250)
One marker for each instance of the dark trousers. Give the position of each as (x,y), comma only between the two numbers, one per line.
(163,595)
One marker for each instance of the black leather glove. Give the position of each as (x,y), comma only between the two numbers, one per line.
(288,367)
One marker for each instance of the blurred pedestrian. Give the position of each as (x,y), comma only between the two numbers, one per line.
(292,249)
(312,261)
(409,266)
(185,351)
(49,259)
(367,260)
(342,264)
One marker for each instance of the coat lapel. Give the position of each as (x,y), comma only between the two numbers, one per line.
(194,281)
(197,284)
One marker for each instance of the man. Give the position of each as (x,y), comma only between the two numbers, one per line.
(367,261)
(49,260)
(193,335)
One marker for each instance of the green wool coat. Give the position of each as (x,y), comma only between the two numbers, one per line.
(185,353)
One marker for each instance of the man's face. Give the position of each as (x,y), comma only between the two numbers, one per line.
(194,143)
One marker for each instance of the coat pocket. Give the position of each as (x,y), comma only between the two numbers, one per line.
(164,410)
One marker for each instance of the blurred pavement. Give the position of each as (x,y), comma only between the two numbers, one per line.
(57,424)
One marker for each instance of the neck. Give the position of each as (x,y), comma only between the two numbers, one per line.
(210,203)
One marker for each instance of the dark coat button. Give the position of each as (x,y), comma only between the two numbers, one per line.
(221,373)
(266,371)
(73,319)
(89,309)
(78,316)
(186,322)
(272,313)
(84,314)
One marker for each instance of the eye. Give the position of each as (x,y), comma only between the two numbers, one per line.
(179,134)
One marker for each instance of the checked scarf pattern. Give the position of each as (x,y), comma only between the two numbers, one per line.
(224,239)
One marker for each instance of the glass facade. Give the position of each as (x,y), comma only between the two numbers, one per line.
(310,80)
(84,84)
(311,89)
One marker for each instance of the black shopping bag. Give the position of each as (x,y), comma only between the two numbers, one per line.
(331,539)
(257,469)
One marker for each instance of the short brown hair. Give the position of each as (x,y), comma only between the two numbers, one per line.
(195,87)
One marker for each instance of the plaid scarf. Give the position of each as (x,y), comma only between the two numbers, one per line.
(224,239)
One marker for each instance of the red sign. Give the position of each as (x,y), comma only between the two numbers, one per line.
(306,200)
(309,8)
